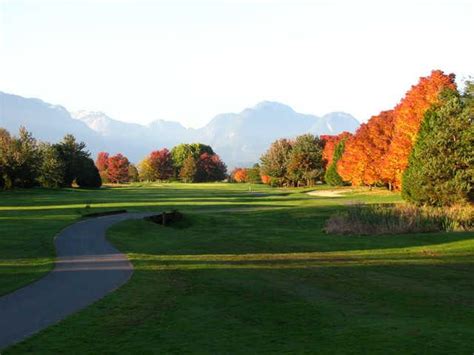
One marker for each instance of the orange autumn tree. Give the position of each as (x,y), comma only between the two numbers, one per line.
(408,115)
(354,161)
(266,179)
(330,143)
(380,131)
(239,174)
(365,150)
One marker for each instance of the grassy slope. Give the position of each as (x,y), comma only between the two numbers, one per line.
(271,281)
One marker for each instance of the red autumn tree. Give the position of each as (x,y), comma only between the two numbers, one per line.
(210,168)
(161,163)
(102,164)
(330,143)
(239,174)
(102,161)
(118,169)
(408,115)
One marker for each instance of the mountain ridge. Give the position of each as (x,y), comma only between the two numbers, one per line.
(240,138)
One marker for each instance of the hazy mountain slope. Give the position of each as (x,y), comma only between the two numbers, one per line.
(240,138)
(46,122)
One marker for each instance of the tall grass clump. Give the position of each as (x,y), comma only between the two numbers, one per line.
(400,218)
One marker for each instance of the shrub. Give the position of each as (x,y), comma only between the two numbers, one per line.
(398,219)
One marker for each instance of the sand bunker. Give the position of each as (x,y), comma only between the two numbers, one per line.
(328,193)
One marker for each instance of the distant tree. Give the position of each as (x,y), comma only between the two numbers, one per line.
(441,165)
(188,169)
(51,167)
(133,175)
(239,175)
(275,160)
(145,170)
(331,176)
(102,164)
(102,161)
(19,159)
(118,169)
(26,159)
(7,164)
(210,168)
(305,162)
(161,163)
(266,179)
(73,156)
(88,175)
(253,174)
(181,152)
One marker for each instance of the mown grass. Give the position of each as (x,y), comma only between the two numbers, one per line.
(29,219)
(268,280)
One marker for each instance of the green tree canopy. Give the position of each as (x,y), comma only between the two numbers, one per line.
(274,161)
(441,165)
(305,163)
(180,152)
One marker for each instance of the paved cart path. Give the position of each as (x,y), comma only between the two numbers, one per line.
(87,268)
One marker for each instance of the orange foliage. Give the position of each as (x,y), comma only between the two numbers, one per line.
(379,150)
(240,174)
(408,115)
(330,143)
(364,151)
(266,179)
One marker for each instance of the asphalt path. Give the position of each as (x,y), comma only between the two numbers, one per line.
(86,269)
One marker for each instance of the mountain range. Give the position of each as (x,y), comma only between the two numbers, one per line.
(239,138)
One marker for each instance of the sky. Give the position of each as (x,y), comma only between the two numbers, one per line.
(188,61)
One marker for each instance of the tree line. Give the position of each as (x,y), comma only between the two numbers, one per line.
(423,147)
(194,162)
(26,162)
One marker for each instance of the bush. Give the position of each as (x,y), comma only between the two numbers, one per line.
(88,175)
(398,219)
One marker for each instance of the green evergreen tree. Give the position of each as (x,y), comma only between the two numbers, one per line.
(88,175)
(72,155)
(51,167)
(441,165)
(274,162)
(331,176)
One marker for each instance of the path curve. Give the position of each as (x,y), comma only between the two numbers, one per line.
(87,268)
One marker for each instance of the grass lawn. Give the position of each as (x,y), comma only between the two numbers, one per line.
(262,280)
